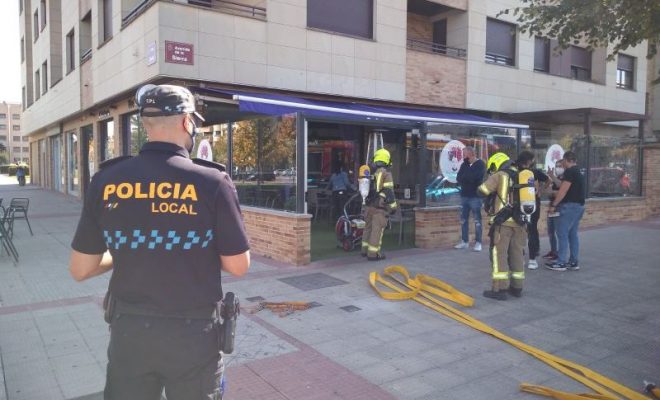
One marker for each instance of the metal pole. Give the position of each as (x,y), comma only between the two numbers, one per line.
(640,162)
(301,174)
(421,185)
(230,148)
(587,132)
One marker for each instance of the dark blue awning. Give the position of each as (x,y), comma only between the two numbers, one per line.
(275,104)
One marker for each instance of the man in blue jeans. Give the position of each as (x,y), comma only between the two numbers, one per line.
(470,176)
(569,202)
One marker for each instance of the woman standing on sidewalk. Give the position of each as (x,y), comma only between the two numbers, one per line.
(569,202)
(555,176)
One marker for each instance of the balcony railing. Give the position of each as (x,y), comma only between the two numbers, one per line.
(436,48)
(232,8)
(228,7)
(499,59)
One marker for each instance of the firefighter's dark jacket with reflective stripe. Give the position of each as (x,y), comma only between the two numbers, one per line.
(500,183)
(382,189)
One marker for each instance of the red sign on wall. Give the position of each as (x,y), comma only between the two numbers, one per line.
(179,53)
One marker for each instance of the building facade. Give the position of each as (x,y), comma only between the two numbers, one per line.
(12,136)
(292,89)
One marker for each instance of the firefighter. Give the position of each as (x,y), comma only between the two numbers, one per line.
(508,232)
(380,204)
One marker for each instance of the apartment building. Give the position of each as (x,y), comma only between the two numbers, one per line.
(13,139)
(292,89)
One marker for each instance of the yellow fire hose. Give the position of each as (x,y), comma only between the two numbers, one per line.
(429,291)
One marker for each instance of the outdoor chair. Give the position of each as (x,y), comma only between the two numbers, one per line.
(319,203)
(20,206)
(6,232)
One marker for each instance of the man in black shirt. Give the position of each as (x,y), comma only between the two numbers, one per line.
(569,202)
(166,226)
(470,175)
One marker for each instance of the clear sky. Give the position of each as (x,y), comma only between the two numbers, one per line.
(10,43)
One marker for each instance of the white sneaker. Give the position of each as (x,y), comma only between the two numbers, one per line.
(477,247)
(461,245)
(532,264)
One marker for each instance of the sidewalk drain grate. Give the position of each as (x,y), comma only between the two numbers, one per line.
(312,281)
(350,308)
(255,298)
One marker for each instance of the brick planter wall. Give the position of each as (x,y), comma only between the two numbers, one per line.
(278,235)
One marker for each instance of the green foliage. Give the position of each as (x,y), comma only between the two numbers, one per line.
(4,158)
(596,23)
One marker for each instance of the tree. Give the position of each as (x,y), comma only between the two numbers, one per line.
(623,23)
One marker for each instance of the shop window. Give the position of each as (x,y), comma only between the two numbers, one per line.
(134,135)
(541,54)
(625,72)
(264,161)
(615,169)
(444,156)
(500,42)
(107,139)
(73,149)
(348,17)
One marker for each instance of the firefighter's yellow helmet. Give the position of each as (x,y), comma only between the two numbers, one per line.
(496,161)
(383,156)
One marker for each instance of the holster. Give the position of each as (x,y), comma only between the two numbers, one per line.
(227,310)
(109,305)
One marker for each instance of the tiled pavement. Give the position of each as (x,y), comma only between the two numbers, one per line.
(354,345)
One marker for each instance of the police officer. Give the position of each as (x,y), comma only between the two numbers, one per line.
(166,226)
(508,233)
(381,203)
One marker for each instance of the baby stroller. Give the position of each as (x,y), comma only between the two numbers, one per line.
(350,226)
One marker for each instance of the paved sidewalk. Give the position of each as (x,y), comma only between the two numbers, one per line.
(354,345)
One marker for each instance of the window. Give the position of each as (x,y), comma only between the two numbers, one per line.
(42,9)
(261,146)
(580,63)
(440,36)
(541,54)
(70,52)
(44,77)
(85,36)
(16,128)
(108,140)
(16,138)
(16,116)
(625,72)
(72,157)
(106,26)
(3,137)
(500,42)
(22,49)
(134,134)
(37,85)
(444,156)
(25,138)
(24,97)
(350,17)
(16,149)
(26,149)
(3,127)
(35,24)
(20,7)
(3,116)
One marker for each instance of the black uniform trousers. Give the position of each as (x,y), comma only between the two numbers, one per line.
(533,242)
(148,354)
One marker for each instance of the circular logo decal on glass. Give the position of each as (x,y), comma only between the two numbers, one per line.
(555,153)
(204,151)
(451,159)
